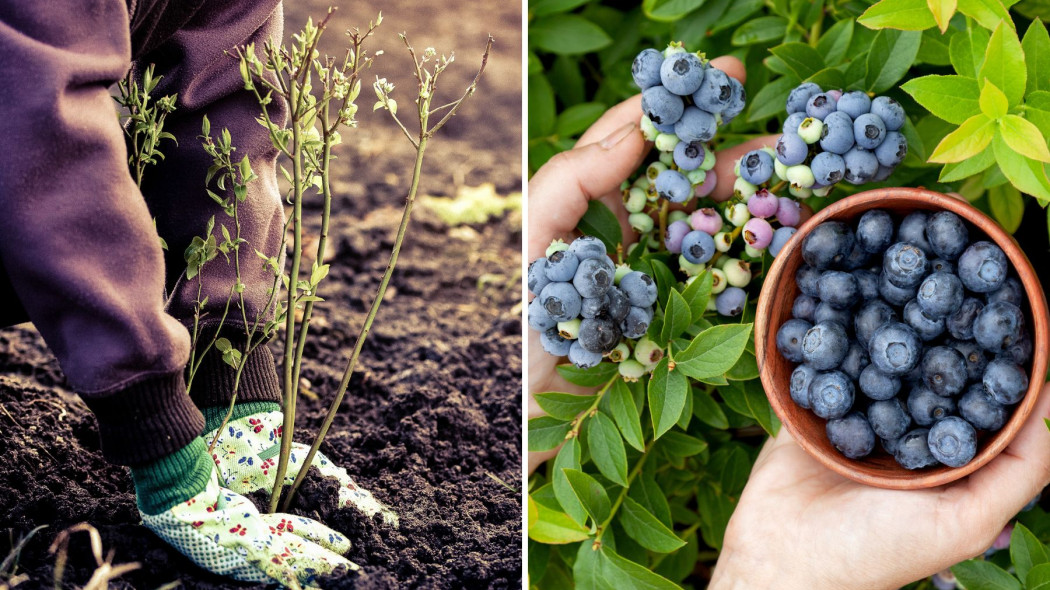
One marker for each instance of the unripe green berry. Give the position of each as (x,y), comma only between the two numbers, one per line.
(631,370)
(641,182)
(822,192)
(779,169)
(718,281)
(725,261)
(723,241)
(810,130)
(654,242)
(800,175)
(620,353)
(738,274)
(752,251)
(569,330)
(677,215)
(641,222)
(799,192)
(648,352)
(709,159)
(743,189)
(635,201)
(648,129)
(654,169)
(688,267)
(667,158)
(736,168)
(622,270)
(665,142)
(696,176)
(772,152)
(711,305)
(556,246)
(738,214)
(674,48)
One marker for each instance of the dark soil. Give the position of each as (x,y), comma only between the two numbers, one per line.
(432,422)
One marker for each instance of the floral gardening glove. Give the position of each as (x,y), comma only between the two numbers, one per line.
(223,532)
(247,450)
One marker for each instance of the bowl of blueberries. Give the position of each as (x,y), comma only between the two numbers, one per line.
(902,337)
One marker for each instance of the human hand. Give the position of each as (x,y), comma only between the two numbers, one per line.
(606,155)
(246,456)
(801,525)
(223,532)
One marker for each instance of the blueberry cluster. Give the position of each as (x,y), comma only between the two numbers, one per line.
(927,323)
(832,136)
(585,305)
(684,101)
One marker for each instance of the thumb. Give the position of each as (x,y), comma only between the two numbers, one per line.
(561,190)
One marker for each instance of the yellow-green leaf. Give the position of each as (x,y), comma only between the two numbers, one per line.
(1004,63)
(989,13)
(906,15)
(1007,206)
(942,12)
(993,101)
(1026,174)
(1024,138)
(552,527)
(968,140)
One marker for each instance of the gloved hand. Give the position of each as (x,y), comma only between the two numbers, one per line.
(224,533)
(246,454)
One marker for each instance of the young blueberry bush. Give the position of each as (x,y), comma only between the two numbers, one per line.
(950,96)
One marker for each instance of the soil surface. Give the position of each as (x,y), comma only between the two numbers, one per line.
(432,423)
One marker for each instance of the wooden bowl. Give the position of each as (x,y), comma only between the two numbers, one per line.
(774,308)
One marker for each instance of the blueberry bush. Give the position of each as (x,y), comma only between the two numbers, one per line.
(651,466)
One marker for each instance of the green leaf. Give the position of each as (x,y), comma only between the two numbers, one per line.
(1036,47)
(758,405)
(942,12)
(1024,138)
(993,101)
(568,458)
(714,351)
(541,106)
(577,118)
(679,444)
(669,10)
(627,574)
(649,494)
(834,43)
(988,13)
(967,141)
(760,30)
(829,78)
(967,50)
(567,34)
(1037,110)
(907,15)
(770,100)
(1026,174)
(1007,206)
(984,575)
(625,413)
(645,528)
(718,508)
(539,8)
(890,57)
(801,58)
(736,13)
(667,392)
(934,48)
(553,527)
(592,377)
(1004,63)
(590,493)
(968,167)
(665,279)
(732,466)
(1032,9)
(677,317)
(707,410)
(599,221)
(564,406)
(745,369)
(1026,551)
(546,432)
(1038,577)
(606,446)
(697,294)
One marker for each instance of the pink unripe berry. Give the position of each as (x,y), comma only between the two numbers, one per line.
(673,238)
(704,188)
(836,94)
(763,204)
(706,220)
(789,213)
(758,233)
(1003,540)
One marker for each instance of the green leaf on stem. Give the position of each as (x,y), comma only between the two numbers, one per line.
(679,444)
(707,410)
(567,34)
(1026,551)
(1037,110)
(1036,47)
(649,494)
(770,99)
(800,58)
(714,351)
(577,118)
(745,369)
(890,57)
(1026,174)
(677,317)
(546,432)
(620,403)
(1024,138)
(988,13)
(906,15)
(697,294)
(669,10)
(993,101)
(1007,206)
(623,573)
(599,221)
(645,528)
(606,446)
(667,392)
(590,493)
(593,377)
(966,50)
(1038,577)
(834,43)
(568,458)
(541,107)
(1004,63)
(942,12)
(978,575)
(552,527)
(564,406)
(760,30)
(967,141)
(968,167)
